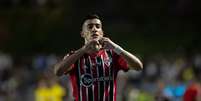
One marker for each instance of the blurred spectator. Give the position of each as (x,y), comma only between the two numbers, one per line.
(144,96)
(39,62)
(130,93)
(160,93)
(193,92)
(57,91)
(49,91)
(42,91)
(151,70)
(197,65)
(5,61)
(51,60)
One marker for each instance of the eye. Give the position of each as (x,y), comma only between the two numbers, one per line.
(90,26)
(98,26)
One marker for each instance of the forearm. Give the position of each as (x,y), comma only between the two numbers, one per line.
(131,59)
(64,65)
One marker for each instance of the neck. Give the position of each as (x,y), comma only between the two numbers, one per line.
(85,41)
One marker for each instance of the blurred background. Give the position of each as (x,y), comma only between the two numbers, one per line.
(164,34)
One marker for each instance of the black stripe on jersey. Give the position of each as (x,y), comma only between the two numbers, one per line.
(108,75)
(93,87)
(88,70)
(98,86)
(100,72)
(111,73)
(77,64)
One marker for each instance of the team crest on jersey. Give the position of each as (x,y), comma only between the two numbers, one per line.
(86,80)
(108,62)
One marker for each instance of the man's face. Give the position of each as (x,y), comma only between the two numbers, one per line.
(92,29)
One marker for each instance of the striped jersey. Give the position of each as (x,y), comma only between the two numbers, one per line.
(93,77)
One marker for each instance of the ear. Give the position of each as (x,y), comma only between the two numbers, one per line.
(82,34)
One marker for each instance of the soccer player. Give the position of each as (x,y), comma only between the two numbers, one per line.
(93,68)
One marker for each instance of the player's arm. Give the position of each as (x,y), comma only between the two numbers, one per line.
(131,59)
(65,64)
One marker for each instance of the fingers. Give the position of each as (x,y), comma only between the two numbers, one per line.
(107,43)
(95,41)
(96,45)
(92,46)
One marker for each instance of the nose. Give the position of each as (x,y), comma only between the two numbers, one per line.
(94,29)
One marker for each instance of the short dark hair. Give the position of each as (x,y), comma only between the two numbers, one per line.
(92,16)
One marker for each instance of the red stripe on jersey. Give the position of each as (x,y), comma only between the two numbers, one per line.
(107,68)
(74,86)
(95,75)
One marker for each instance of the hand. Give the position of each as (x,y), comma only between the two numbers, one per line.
(107,43)
(92,46)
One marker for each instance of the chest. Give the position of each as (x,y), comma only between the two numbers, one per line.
(95,69)
(94,65)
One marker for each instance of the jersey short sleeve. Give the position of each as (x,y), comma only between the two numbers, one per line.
(72,65)
(119,62)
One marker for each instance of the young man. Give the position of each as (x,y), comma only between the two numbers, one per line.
(93,68)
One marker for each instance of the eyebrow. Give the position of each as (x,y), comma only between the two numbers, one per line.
(94,24)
